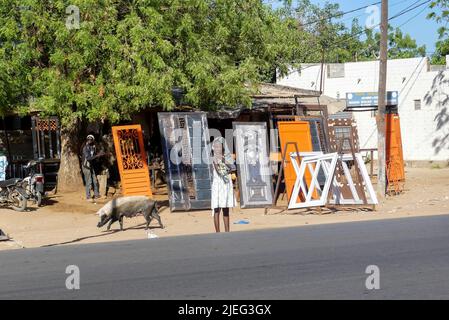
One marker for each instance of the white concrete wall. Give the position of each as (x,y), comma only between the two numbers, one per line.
(425,132)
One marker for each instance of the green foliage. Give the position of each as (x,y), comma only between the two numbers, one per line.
(441,50)
(129,55)
(324,31)
(440,13)
(403,45)
(366,46)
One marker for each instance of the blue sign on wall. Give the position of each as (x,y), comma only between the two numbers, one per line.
(369,99)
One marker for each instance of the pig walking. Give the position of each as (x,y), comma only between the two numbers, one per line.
(128,207)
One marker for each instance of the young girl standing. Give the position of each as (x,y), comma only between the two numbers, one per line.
(222,188)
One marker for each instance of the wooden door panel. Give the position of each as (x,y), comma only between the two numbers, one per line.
(299,132)
(394,153)
(132,160)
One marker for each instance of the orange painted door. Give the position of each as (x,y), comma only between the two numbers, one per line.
(132,160)
(299,132)
(394,153)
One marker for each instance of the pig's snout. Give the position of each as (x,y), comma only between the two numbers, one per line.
(103,220)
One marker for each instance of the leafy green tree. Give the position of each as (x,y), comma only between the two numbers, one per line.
(14,73)
(129,55)
(440,13)
(324,31)
(400,45)
(403,46)
(441,50)
(348,45)
(321,30)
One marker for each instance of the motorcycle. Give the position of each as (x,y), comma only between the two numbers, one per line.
(12,194)
(34,183)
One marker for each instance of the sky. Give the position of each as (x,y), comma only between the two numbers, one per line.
(420,28)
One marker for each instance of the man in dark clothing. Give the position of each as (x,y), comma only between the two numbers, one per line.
(89,155)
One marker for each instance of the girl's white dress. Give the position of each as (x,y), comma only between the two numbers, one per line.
(222,192)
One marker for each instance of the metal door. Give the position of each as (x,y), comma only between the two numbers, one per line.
(132,160)
(254,171)
(185,143)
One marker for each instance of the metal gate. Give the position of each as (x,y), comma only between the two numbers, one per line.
(46,135)
(132,160)
(185,142)
(46,138)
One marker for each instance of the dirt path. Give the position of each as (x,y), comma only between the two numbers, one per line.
(72,220)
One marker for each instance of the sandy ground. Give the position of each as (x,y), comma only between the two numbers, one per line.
(69,219)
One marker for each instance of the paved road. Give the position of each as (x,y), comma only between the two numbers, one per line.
(315,262)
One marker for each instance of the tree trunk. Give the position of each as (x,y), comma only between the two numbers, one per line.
(69,175)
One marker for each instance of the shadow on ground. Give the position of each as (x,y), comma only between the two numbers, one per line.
(104,233)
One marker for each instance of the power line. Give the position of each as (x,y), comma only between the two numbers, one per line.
(338,15)
(401,13)
(414,3)
(404,23)
(416,15)
(361,15)
(409,8)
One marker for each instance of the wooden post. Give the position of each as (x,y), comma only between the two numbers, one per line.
(58,138)
(8,146)
(322,72)
(50,143)
(281,170)
(380,119)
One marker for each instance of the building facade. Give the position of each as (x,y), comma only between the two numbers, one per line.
(423,100)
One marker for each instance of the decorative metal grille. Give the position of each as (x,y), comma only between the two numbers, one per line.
(131,160)
(46,138)
(130,149)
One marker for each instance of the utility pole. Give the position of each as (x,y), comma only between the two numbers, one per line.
(322,72)
(380,119)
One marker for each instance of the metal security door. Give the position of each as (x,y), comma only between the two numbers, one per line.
(169,126)
(132,160)
(185,142)
(200,168)
(254,171)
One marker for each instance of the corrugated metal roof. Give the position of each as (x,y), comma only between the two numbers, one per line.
(275,91)
(341,115)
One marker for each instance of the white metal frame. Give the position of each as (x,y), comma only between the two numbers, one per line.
(367,186)
(312,163)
